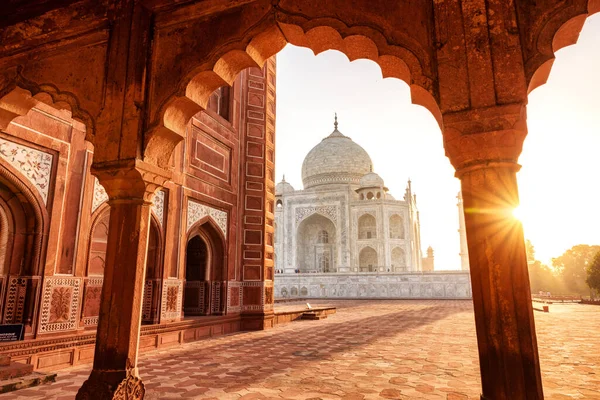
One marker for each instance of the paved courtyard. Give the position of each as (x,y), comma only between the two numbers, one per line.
(368,350)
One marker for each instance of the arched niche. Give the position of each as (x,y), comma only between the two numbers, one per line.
(396,227)
(316,245)
(205,271)
(367,227)
(398,260)
(367,260)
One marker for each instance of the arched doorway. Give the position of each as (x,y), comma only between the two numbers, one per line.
(95,270)
(367,227)
(398,260)
(152,283)
(367,260)
(22,240)
(316,244)
(205,272)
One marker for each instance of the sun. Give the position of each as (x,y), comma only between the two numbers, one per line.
(517,212)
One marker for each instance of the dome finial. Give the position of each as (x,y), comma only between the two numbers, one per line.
(335,124)
(283,180)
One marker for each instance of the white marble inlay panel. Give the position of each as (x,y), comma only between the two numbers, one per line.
(35,165)
(328,211)
(158,206)
(100,195)
(197,211)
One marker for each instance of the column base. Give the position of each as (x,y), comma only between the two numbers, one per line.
(110,385)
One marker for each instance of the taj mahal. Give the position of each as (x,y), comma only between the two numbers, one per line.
(345,235)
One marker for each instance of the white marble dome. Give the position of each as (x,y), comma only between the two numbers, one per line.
(371,180)
(336,160)
(283,187)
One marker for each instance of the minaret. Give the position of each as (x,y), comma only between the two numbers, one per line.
(464,249)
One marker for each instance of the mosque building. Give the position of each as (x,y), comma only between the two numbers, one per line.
(344,235)
(345,220)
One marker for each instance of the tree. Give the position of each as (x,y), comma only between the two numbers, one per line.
(593,274)
(572,267)
(541,277)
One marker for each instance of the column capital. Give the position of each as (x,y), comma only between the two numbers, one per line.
(130,180)
(484,136)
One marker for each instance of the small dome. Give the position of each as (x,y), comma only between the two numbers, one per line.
(283,187)
(371,180)
(336,160)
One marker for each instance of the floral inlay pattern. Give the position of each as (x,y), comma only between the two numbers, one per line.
(100,195)
(158,206)
(35,165)
(328,211)
(172,293)
(60,304)
(197,211)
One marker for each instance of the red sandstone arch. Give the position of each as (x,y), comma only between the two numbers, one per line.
(207,230)
(154,273)
(20,97)
(26,221)
(559,30)
(324,34)
(98,238)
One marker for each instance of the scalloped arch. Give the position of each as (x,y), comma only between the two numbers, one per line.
(200,83)
(24,95)
(565,35)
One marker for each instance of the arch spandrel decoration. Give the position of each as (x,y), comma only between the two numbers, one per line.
(158,206)
(327,211)
(158,202)
(100,195)
(197,211)
(34,164)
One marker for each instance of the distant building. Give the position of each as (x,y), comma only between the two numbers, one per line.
(464,250)
(345,220)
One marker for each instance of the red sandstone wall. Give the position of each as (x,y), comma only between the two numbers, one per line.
(224,168)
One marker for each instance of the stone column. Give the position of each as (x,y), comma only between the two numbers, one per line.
(130,186)
(484,147)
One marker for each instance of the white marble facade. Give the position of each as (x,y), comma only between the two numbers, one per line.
(345,220)
(419,285)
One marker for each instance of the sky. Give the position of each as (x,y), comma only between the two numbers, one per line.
(559,187)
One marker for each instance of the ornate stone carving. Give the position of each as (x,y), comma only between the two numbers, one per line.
(60,304)
(100,195)
(15,299)
(99,387)
(171,299)
(91,305)
(158,206)
(147,300)
(131,388)
(35,165)
(172,293)
(328,211)
(234,300)
(197,211)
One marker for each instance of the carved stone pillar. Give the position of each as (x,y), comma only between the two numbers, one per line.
(130,187)
(483,146)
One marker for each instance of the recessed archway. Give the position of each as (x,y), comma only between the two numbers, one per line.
(205,271)
(316,245)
